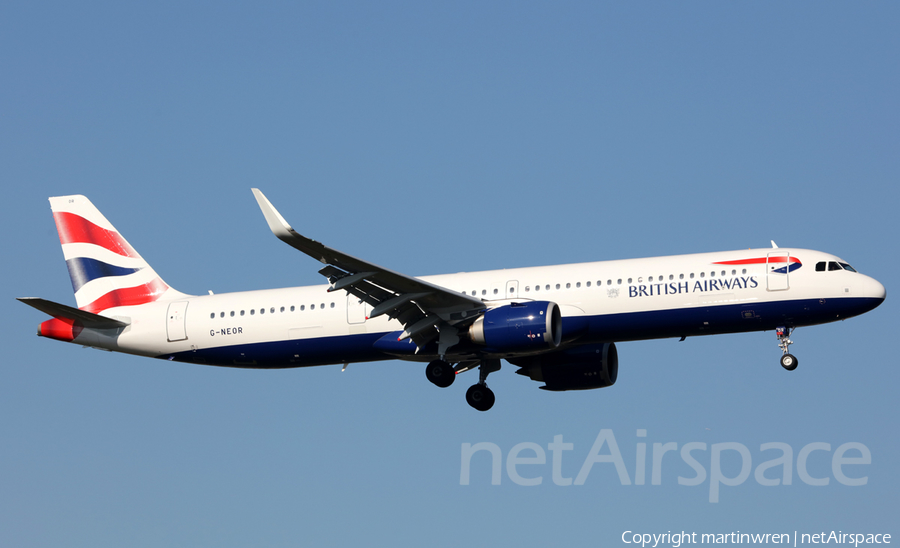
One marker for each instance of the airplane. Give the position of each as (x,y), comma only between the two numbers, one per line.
(558,325)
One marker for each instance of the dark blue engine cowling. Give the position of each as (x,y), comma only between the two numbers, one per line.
(519,327)
(578,368)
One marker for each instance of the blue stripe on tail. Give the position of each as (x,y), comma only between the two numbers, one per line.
(83,269)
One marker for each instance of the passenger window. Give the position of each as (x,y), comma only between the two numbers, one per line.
(282,309)
(588,284)
(262,310)
(322,305)
(292,308)
(557,286)
(629,280)
(312,307)
(703,274)
(650,279)
(744,271)
(608,282)
(733,272)
(495,291)
(692,275)
(212,316)
(619,281)
(578,284)
(681,276)
(536,288)
(302,307)
(568,286)
(484,291)
(332,305)
(232,313)
(242,312)
(272,310)
(252,311)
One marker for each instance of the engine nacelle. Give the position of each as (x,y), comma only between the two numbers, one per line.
(519,327)
(578,368)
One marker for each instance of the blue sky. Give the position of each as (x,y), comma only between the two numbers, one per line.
(432,139)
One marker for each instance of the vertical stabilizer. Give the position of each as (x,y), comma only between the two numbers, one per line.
(106,271)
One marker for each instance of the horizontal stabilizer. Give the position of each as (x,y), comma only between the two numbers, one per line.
(61,311)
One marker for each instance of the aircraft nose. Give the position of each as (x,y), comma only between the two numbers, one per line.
(875,290)
(879,290)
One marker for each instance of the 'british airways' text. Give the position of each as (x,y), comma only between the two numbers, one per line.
(674,288)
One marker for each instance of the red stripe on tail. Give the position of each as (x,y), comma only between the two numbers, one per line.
(76,229)
(129,296)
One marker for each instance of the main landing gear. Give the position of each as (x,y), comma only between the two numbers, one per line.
(788,361)
(440,373)
(479,396)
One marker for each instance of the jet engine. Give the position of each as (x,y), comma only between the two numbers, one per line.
(577,368)
(519,327)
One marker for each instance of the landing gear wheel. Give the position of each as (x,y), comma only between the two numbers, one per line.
(440,373)
(480,397)
(789,362)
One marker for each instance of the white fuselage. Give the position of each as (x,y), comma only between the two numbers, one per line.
(607,301)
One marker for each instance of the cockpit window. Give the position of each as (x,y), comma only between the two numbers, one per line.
(833,265)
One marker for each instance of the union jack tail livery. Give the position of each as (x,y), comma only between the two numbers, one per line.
(106,271)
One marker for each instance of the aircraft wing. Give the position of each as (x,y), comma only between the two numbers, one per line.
(426,310)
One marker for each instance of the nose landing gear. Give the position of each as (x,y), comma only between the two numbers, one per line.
(788,361)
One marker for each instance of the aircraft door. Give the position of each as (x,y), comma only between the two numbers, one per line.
(175,321)
(357,311)
(777,268)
